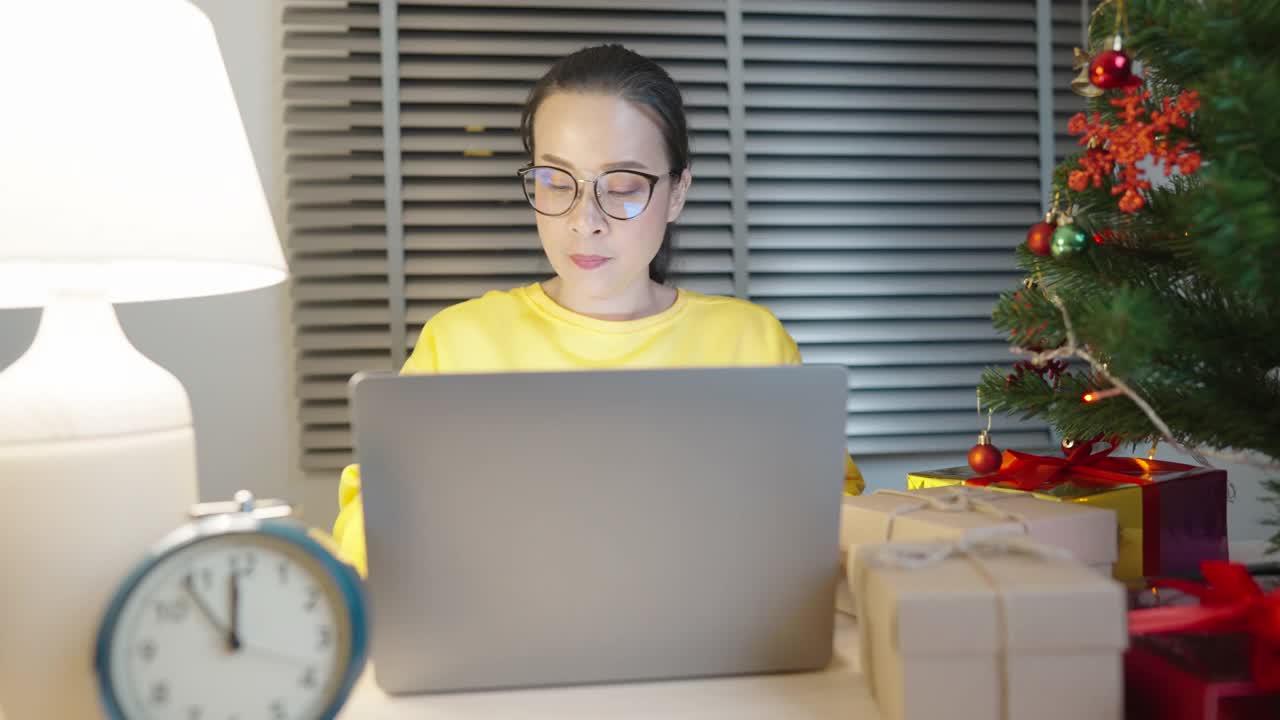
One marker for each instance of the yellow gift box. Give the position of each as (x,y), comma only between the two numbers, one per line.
(1170,516)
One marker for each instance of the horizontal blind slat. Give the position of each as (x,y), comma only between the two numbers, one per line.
(791,310)
(580,21)
(886,237)
(887,191)
(894,330)
(768,141)
(895,9)
(889,168)
(881,214)
(881,29)
(902,284)
(873,354)
(668,5)
(862,262)
(549,48)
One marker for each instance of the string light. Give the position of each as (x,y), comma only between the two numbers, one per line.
(1096,395)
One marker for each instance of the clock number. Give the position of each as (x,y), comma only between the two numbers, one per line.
(308,680)
(195,712)
(326,636)
(313,597)
(243,563)
(160,693)
(277,710)
(172,612)
(284,572)
(147,650)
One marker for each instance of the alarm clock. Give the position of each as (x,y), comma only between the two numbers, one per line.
(240,613)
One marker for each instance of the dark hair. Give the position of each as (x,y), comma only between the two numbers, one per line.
(615,70)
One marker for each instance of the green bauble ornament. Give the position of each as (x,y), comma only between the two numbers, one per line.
(1068,240)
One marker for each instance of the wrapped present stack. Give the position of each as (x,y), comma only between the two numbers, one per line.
(1171,516)
(973,514)
(1002,627)
(1000,595)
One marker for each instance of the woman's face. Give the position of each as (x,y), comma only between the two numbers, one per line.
(596,255)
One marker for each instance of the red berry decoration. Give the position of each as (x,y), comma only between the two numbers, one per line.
(984,458)
(1040,238)
(1111,69)
(1140,131)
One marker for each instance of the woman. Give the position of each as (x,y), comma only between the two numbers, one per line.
(609,172)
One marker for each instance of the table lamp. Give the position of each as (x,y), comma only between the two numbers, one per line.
(125,176)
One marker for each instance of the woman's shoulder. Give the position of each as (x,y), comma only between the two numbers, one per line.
(757,333)
(495,306)
(722,308)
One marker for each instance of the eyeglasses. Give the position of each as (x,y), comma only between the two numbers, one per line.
(620,194)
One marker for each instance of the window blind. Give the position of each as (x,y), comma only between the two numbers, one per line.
(336,222)
(891,168)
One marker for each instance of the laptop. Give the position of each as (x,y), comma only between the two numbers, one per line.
(532,529)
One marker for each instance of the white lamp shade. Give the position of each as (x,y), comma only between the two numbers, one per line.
(124,164)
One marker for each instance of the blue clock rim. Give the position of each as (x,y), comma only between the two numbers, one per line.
(348,581)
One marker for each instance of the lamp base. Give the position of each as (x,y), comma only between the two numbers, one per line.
(67,540)
(97,463)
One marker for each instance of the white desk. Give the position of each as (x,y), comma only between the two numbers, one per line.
(837,692)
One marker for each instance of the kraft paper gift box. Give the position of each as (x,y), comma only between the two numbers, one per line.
(1003,629)
(1171,516)
(955,512)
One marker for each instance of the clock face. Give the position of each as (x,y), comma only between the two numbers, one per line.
(239,626)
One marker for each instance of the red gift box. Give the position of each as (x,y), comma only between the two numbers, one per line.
(1219,660)
(1171,516)
(1193,677)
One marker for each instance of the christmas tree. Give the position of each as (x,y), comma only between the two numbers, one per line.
(1151,306)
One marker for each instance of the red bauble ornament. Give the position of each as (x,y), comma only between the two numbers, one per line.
(1040,238)
(984,458)
(1111,69)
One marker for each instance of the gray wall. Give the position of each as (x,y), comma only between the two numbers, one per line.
(234,353)
(231,352)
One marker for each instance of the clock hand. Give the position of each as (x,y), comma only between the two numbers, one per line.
(188,584)
(233,632)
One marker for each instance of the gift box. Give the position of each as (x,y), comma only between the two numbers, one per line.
(1001,628)
(1211,653)
(1171,516)
(1194,676)
(956,512)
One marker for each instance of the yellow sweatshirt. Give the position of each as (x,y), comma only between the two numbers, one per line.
(525,330)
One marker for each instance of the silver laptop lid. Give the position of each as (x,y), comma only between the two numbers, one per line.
(552,528)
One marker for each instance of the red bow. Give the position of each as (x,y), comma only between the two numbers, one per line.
(1030,473)
(1230,602)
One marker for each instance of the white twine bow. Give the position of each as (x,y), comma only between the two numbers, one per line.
(956,499)
(914,556)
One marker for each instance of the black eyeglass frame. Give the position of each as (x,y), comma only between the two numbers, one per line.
(577,189)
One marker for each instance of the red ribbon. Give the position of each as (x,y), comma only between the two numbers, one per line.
(1230,602)
(1029,473)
